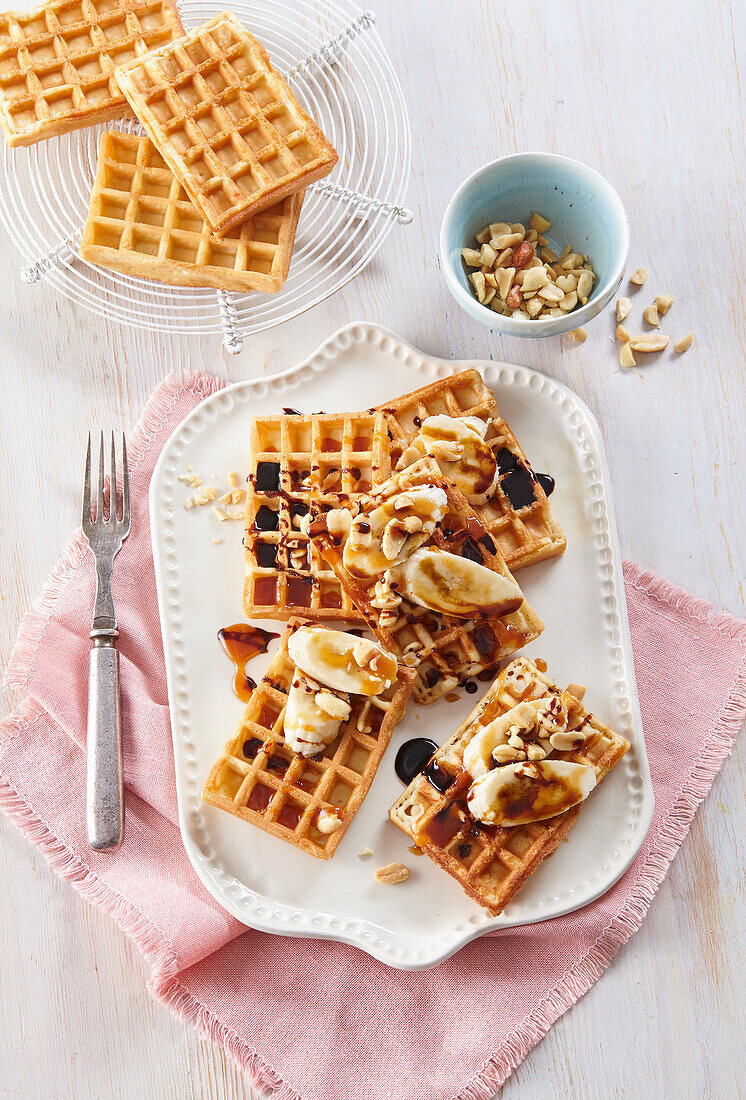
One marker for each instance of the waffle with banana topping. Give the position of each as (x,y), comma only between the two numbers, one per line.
(302,466)
(308,802)
(517,515)
(447,648)
(492,862)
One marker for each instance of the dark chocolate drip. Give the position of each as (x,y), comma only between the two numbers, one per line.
(267,476)
(437,777)
(266,554)
(266,519)
(547,483)
(518,487)
(412,757)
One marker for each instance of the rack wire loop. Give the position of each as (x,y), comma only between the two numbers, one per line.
(364,205)
(60,254)
(232,341)
(329,52)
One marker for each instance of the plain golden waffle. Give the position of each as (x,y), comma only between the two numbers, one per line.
(225,122)
(57,61)
(447,650)
(302,466)
(492,863)
(142,222)
(259,779)
(524,527)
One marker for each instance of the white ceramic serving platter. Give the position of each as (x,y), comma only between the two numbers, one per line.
(263,881)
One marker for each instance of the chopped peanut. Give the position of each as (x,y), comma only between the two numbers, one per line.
(639,277)
(579,335)
(684,343)
(663,303)
(392,873)
(516,280)
(623,307)
(650,314)
(626,358)
(653,342)
(622,335)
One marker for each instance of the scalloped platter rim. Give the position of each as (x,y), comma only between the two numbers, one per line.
(267,884)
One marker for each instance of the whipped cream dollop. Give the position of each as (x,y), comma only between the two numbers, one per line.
(390,532)
(456,586)
(312,715)
(517,794)
(458,446)
(330,665)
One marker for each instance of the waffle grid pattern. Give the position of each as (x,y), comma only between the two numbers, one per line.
(447,650)
(142,222)
(282,793)
(524,535)
(57,61)
(492,863)
(225,122)
(304,465)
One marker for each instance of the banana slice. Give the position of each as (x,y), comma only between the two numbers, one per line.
(456,586)
(478,753)
(520,793)
(342,661)
(307,727)
(459,448)
(389,533)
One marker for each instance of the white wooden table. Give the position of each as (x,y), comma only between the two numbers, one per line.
(649,95)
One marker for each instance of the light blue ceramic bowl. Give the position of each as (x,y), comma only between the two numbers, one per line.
(585,212)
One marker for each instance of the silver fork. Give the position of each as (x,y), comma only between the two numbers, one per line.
(104,788)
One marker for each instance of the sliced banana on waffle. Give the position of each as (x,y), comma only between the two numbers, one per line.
(517,794)
(458,446)
(457,586)
(342,661)
(390,532)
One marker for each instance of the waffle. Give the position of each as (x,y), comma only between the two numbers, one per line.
(492,863)
(142,222)
(57,62)
(447,650)
(225,122)
(524,533)
(259,779)
(304,465)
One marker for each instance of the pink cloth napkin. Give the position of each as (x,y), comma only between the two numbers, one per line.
(308,1019)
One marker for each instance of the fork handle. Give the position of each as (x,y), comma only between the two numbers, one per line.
(104,789)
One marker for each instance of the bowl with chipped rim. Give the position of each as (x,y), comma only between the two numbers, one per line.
(584,210)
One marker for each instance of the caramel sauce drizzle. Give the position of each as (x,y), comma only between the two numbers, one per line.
(241,642)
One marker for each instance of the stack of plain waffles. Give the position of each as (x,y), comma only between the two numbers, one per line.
(212,194)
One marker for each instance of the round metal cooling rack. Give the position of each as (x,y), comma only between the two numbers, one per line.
(334,60)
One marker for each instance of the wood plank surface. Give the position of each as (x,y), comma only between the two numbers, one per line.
(651,96)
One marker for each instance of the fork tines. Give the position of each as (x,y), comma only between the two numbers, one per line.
(98,517)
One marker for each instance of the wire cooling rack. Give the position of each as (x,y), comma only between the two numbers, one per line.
(333,58)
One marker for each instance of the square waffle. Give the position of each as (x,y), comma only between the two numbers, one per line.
(492,862)
(142,222)
(300,466)
(518,517)
(446,650)
(225,122)
(57,61)
(259,779)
